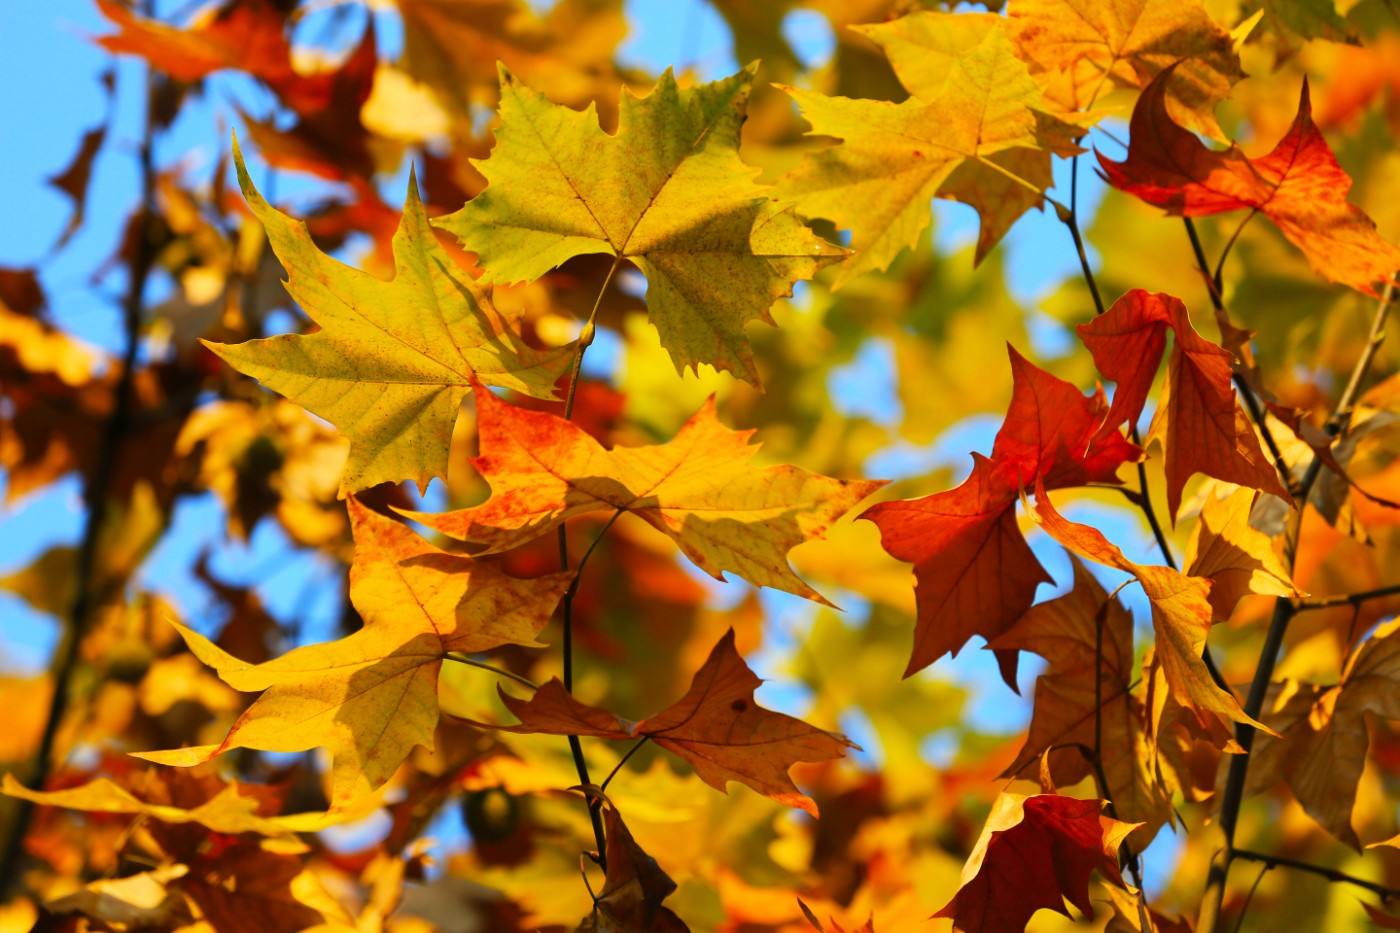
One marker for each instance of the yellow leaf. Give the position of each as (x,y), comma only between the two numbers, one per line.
(1096,44)
(1236,558)
(393,360)
(228,812)
(668,193)
(371,697)
(975,130)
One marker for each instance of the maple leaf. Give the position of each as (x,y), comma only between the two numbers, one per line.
(1035,852)
(1236,558)
(371,697)
(633,891)
(393,360)
(1299,186)
(698,489)
(716,727)
(1325,738)
(1132,43)
(1199,422)
(1181,614)
(974,573)
(975,129)
(1065,631)
(668,193)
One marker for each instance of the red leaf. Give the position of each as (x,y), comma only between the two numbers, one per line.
(1299,186)
(974,573)
(1035,852)
(1198,421)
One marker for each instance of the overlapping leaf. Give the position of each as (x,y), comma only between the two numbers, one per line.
(1035,853)
(668,193)
(1086,636)
(1325,738)
(371,697)
(974,573)
(1086,46)
(1200,424)
(700,489)
(717,727)
(976,129)
(1236,558)
(635,887)
(393,360)
(1181,614)
(1299,186)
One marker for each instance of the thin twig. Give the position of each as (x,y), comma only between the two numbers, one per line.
(585,340)
(1249,898)
(1347,599)
(498,671)
(1331,874)
(1218,277)
(95,494)
(1233,795)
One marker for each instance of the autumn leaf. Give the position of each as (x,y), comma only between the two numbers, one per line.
(668,193)
(1299,186)
(1236,558)
(716,727)
(1129,43)
(1198,420)
(1066,632)
(229,811)
(1181,614)
(974,573)
(700,489)
(976,128)
(633,891)
(393,360)
(249,35)
(371,697)
(1326,740)
(1035,852)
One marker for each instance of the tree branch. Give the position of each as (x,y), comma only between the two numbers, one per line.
(1347,599)
(585,340)
(1331,874)
(96,491)
(1284,610)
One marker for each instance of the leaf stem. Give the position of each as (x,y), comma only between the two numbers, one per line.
(585,340)
(498,671)
(1218,277)
(96,491)
(1233,795)
(1331,874)
(622,761)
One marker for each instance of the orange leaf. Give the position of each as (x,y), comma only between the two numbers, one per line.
(1035,852)
(716,726)
(699,489)
(1299,186)
(1181,614)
